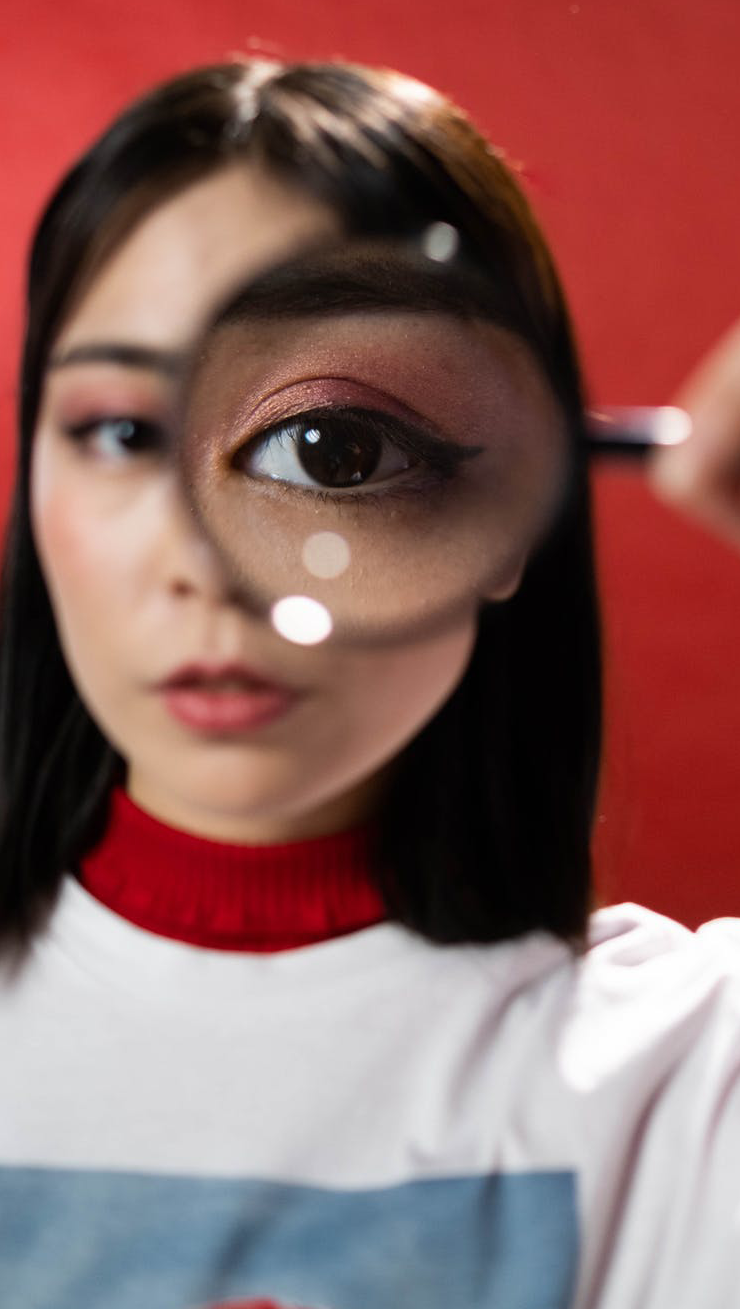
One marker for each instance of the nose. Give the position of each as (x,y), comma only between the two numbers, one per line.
(192,565)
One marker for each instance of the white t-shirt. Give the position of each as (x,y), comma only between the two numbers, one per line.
(373,1122)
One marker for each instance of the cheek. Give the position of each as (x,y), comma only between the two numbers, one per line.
(63,544)
(73,555)
(86,566)
(391,696)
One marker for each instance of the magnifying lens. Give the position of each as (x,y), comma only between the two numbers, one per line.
(367,442)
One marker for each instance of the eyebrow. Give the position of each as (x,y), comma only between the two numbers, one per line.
(318,286)
(168,363)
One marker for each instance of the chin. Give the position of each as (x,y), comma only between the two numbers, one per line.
(228,797)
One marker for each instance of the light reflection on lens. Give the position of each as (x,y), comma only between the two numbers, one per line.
(326,554)
(301,620)
(440,242)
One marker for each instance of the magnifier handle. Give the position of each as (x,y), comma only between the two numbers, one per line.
(632,431)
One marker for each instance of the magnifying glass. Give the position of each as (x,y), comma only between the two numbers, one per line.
(370,442)
(633,431)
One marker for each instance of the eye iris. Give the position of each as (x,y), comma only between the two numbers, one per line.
(127,434)
(335,458)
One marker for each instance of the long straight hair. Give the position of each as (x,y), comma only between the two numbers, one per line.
(485,832)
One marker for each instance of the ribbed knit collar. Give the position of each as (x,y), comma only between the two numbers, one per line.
(230,897)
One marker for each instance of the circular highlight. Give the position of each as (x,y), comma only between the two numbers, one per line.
(301,620)
(326,554)
(440,242)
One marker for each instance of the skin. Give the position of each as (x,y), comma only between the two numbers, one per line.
(138,590)
(702,475)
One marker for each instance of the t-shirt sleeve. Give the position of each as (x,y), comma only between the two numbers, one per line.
(652,1047)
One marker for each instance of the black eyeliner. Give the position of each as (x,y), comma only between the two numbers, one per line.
(443,457)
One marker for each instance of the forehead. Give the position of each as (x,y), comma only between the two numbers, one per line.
(184,257)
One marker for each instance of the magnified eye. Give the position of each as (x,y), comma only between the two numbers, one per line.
(332,449)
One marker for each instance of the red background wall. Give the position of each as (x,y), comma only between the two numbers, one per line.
(624,117)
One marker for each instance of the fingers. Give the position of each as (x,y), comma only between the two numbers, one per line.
(702,475)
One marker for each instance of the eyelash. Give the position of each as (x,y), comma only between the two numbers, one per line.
(437,460)
(148,435)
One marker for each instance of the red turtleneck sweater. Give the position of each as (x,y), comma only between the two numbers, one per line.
(230,897)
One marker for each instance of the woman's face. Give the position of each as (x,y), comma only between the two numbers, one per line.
(227,729)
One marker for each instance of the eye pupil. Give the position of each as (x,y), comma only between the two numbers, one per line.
(333,458)
(131,434)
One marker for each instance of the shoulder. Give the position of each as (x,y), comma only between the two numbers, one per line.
(633,952)
(636,965)
(649,993)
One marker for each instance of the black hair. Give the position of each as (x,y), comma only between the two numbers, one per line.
(485,831)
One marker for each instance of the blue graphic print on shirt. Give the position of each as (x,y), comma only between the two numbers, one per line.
(79,1239)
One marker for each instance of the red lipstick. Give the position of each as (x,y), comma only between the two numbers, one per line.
(224,699)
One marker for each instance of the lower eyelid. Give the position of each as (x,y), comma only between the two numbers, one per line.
(419,485)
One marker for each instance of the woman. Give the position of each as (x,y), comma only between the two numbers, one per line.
(302,995)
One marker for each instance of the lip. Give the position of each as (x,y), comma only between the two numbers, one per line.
(196,696)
